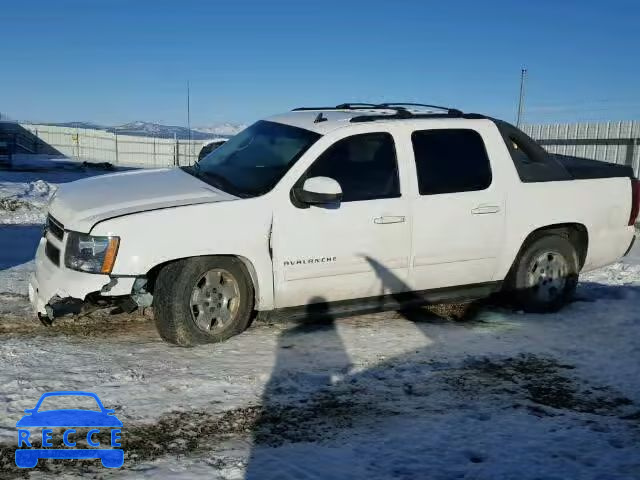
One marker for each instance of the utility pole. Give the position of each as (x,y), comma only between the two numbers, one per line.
(189,117)
(523,76)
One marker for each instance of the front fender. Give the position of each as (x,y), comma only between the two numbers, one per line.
(152,238)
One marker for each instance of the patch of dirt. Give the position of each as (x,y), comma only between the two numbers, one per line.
(96,324)
(8,467)
(186,433)
(454,311)
(11,204)
(545,382)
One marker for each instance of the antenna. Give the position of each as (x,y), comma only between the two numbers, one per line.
(523,76)
(320,118)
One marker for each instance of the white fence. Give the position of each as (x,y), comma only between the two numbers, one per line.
(615,142)
(85,144)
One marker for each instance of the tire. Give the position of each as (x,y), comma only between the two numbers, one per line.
(545,274)
(193,293)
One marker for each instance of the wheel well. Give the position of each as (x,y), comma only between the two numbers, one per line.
(152,275)
(576,233)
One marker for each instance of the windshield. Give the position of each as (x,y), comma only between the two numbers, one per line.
(252,162)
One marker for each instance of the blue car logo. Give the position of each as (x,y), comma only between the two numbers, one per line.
(69,419)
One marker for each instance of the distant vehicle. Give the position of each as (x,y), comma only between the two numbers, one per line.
(354,208)
(5,154)
(70,419)
(207,148)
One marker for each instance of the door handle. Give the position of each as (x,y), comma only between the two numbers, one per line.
(388,219)
(484,209)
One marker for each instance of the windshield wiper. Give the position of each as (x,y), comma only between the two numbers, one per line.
(213,179)
(221,183)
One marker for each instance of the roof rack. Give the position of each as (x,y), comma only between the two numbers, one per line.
(352,106)
(450,111)
(400,109)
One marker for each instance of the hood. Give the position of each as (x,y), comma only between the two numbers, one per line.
(80,205)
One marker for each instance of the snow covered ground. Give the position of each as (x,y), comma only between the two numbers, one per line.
(419,395)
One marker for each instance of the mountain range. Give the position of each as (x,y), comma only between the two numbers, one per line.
(150,129)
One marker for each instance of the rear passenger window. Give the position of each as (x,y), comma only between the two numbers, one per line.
(364,165)
(450,160)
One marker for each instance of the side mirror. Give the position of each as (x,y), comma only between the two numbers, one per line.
(319,191)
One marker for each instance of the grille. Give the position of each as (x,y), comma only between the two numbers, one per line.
(53,253)
(55,227)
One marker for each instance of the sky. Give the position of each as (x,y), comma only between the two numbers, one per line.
(117,61)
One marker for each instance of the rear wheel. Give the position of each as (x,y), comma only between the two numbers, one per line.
(545,275)
(203,300)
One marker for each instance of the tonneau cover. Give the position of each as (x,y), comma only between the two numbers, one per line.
(535,164)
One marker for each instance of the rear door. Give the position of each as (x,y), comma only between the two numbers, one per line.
(458,209)
(357,248)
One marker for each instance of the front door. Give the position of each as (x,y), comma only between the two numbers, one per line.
(357,248)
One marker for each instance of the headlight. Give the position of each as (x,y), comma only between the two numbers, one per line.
(91,254)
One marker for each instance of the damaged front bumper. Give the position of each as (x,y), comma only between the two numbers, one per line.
(55,290)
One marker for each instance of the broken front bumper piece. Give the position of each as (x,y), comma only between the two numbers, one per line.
(55,290)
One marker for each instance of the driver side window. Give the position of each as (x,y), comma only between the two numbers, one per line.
(364,165)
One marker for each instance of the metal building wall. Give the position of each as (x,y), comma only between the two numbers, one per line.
(91,145)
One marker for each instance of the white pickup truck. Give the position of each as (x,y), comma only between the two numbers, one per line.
(357,207)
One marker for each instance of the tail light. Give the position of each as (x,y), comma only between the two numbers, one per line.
(635,201)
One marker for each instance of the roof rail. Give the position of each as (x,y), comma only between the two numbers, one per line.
(343,106)
(356,106)
(308,109)
(452,111)
(401,111)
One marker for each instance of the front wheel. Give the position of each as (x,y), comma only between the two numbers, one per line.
(545,275)
(203,300)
